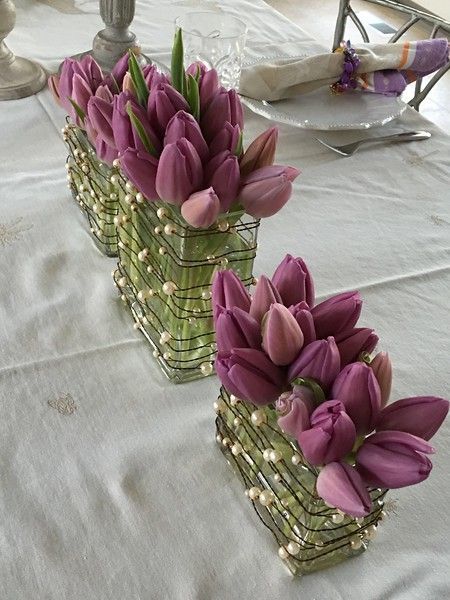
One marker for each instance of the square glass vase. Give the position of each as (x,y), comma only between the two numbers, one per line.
(165,272)
(93,187)
(281,485)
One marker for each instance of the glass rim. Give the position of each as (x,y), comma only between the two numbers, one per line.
(210,12)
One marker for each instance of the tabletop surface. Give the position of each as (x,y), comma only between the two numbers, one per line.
(112,487)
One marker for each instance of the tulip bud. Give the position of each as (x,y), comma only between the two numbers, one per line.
(393,459)
(358,390)
(104,151)
(89,70)
(421,416)
(164,101)
(265,191)
(65,82)
(182,124)
(196,69)
(282,336)
(100,114)
(250,375)
(222,173)
(261,152)
(295,408)
(294,282)
(227,291)
(304,318)
(104,93)
(382,367)
(125,134)
(224,107)
(81,93)
(319,361)
(209,87)
(337,313)
(340,485)
(141,169)
(331,436)
(153,77)
(128,85)
(225,139)
(119,71)
(235,328)
(179,172)
(53,84)
(201,209)
(353,342)
(264,296)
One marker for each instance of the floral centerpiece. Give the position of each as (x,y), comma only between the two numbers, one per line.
(190,200)
(303,414)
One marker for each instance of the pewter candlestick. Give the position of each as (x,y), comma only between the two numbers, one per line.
(19,77)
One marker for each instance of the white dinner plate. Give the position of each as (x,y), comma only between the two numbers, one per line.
(324,110)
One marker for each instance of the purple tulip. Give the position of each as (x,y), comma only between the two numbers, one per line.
(337,313)
(125,135)
(235,328)
(197,69)
(179,172)
(227,291)
(331,436)
(81,93)
(358,390)
(201,209)
(264,296)
(261,152)
(305,319)
(421,416)
(141,169)
(65,81)
(319,361)
(100,114)
(53,84)
(89,70)
(128,86)
(104,151)
(119,71)
(282,336)
(87,75)
(295,407)
(341,486)
(209,87)
(250,375)
(294,282)
(104,92)
(352,342)
(153,77)
(224,107)
(222,173)
(226,139)
(382,367)
(265,191)
(393,459)
(182,124)
(163,103)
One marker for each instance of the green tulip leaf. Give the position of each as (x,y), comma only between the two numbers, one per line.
(78,110)
(138,79)
(137,125)
(177,67)
(193,96)
(240,145)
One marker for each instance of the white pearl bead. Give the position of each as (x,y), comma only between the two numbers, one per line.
(155,353)
(114,179)
(236,449)
(129,186)
(223,225)
(337,518)
(356,542)
(145,320)
(81,188)
(165,336)
(161,212)
(149,269)
(295,459)
(206,295)
(93,194)
(116,163)
(253,493)
(169,229)
(226,441)
(283,553)
(95,209)
(218,439)
(277,478)
(266,497)
(233,400)
(123,298)
(85,169)
(371,532)
(275,456)
(169,288)
(219,406)
(139,198)
(128,198)
(258,417)
(157,230)
(122,281)
(83,155)
(121,244)
(167,356)
(293,548)
(136,325)
(113,196)
(141,295)
(237,422)
(266,454)
(206,368)
(162,250)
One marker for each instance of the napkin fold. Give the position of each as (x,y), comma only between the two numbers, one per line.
(384,69)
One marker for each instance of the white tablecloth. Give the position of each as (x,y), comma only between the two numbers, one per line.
(111,486)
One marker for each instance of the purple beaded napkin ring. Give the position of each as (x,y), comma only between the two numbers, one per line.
(347,80)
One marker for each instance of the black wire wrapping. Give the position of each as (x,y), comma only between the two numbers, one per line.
(296,514)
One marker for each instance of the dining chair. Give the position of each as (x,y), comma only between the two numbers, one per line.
(414,16)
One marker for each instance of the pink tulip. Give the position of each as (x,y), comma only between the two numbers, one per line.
(222,173)
(201,209)
(319,361)
(209,87)
(227,291)
(336,314)
(261,152)
(125,134)
(294,282)
(53,84)
(153,77)
(393,459)
(265,191)
(421,416)
(341,486)
(282,336)
(100,114)
(128,85)
(224,107)
(331,436)
(141,169)
(163,103)
(225,139)
(382,367)
(179,172)
(250,375)
(104,151)
(104,93)
(358,390)
(81,93)
(304,318)
(353,342)
(183,125)
(295,408)
(264,296)
(235,328)
(119,71)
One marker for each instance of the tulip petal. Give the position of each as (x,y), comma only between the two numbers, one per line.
(341,486)
(421,416)
(264,296)
(201,209)
(336,314)
(294,282)
(227,291)
(282,336)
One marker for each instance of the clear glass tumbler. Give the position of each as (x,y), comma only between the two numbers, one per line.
(217,40)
